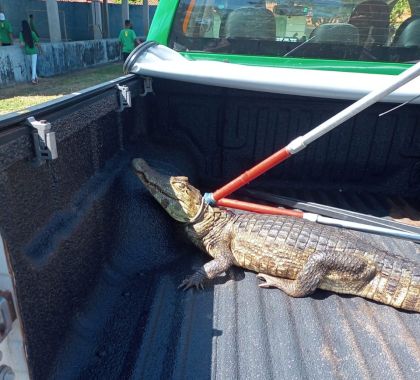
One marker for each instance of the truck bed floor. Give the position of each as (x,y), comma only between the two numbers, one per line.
(232,329)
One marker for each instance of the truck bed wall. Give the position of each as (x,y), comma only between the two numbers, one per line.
(78,228)
(234,129)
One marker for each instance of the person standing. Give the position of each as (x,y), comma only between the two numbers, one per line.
(29,42)
(128,39)
(6,36)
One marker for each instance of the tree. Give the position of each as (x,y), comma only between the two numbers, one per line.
(400,12)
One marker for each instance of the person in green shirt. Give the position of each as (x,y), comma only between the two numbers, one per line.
(128,39)
(29,43)
(6,36)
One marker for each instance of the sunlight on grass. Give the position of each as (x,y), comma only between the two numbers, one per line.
(22,102)
(25,95)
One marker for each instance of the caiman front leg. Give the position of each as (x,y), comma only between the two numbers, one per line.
(353,269)
(222,262)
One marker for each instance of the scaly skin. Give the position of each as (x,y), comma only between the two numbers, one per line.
(294,255)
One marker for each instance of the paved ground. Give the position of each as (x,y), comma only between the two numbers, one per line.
(26,94)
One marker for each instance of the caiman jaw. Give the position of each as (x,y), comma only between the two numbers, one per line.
(180,200)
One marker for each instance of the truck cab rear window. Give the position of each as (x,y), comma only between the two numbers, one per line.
(370,30)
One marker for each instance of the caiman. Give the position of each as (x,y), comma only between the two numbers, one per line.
(292,254)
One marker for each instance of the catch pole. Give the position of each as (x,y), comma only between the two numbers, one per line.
(301,142)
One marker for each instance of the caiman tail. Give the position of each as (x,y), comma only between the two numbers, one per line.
(396,284)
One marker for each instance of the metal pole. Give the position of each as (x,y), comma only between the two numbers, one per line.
(357,107)
(302,141)
(105,19)
(146,21)
(363,227)
(263,209)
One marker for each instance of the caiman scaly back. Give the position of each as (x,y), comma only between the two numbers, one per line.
(294,255)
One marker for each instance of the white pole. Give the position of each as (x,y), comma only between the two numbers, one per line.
(53,21)
(362,227)
(125,11)
(302,141)
(146,21)
(105,19)
(97,19)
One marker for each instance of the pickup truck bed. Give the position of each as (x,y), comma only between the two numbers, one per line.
(97,262)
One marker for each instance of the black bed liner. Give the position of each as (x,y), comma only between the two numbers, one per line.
(234,329)
(97,262)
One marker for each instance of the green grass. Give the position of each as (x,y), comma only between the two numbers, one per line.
(26,95)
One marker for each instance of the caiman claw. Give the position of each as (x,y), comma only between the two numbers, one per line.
(267,280)
(196,280)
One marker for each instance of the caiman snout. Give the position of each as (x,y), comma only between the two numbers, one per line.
(175,194)
(141,166)
(153,180)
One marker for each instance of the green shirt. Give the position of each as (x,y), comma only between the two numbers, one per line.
(5,31)
(29,50)
(127,38)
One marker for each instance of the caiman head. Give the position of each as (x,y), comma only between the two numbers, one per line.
(176,195)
